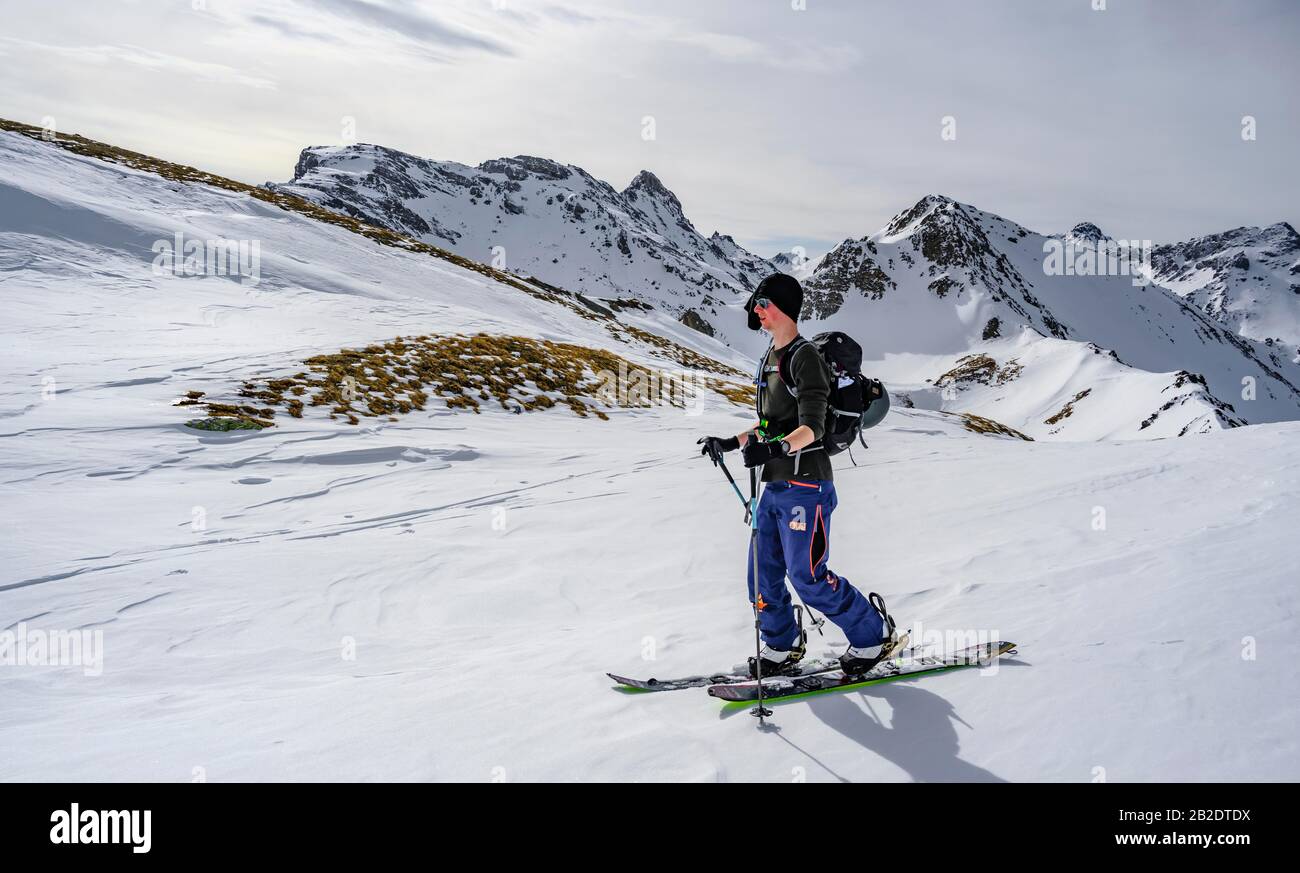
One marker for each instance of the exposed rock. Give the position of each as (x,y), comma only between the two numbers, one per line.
(695,321)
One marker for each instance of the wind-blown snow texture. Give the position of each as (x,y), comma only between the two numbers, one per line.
(468,556)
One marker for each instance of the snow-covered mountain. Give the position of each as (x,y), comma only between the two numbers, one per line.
(957,308)
(1247,279)
(963,310)
(537,217)
(795,263)
(322,601)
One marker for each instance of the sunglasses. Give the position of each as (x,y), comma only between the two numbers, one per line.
(761,303)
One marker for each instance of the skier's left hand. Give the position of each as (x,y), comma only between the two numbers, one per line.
(758,453)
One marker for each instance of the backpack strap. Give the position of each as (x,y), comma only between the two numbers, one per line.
(787,379)
(760,382)
(783,369)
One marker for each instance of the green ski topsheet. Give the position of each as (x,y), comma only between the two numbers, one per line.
(786,688)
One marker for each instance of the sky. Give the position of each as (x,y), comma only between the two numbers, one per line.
(781,122)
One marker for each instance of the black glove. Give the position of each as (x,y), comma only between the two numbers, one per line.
(758,453)
(714,447)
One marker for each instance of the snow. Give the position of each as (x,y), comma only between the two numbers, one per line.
(519,212)
(487,570)
(1245,278)
(1143,336)
(540,218)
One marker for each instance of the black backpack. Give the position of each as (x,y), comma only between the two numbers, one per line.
(855,403)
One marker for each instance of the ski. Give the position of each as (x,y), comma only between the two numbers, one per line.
(905,665)
(808,667)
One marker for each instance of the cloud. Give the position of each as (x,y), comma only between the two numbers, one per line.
(401,18)
(141,57)
(288,29)
(772,123)
(805,58)
(570,16)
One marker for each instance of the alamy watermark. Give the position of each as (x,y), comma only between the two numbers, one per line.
(976,644)
(637,387)
(184,257)
(1105,257)
(30,647)
(75,826)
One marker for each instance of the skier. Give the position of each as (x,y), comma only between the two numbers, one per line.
(793,520)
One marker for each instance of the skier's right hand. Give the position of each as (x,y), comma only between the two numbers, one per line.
(715,447)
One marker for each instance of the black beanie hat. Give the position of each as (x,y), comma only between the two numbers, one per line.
(782,289)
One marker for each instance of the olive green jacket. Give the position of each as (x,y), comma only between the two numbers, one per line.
(784,412)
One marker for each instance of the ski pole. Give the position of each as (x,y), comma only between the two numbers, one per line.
(716,457)
(760,711)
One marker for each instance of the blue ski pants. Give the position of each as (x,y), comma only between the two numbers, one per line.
(792,536)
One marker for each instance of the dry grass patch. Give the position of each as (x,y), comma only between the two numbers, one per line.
(1068,409)
(666,348)
(979,369)
(519,374)
(980,424)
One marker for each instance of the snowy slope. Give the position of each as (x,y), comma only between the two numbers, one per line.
(381,602)
(1247,278)
(541,218)
(945,282)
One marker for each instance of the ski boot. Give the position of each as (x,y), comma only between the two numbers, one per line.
(861,659)
(777,662)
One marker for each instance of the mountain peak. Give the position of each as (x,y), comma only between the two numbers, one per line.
(790,262)
(582,235)
(930,203)
(1086,231)
(647,180)
(360,154)
(308,160)
(647,184)
(1285,235)
(904,222)
(521,167)
(931,200)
